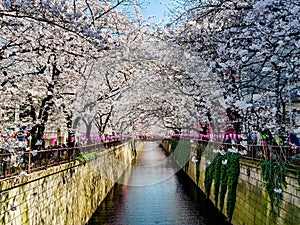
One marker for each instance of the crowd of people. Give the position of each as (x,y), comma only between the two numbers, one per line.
(269,141)
(16,155)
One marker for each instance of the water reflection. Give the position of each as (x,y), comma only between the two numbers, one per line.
(151,193)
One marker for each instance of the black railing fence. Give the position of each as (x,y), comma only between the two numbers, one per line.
(18,162)
(289,154)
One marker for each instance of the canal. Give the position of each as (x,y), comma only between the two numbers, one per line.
(154,191)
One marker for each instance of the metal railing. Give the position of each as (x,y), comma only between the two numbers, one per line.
(21,163)
(288,154)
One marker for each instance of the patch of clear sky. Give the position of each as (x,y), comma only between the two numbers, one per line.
(157,8)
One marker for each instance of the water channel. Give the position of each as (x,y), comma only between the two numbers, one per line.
(154,191)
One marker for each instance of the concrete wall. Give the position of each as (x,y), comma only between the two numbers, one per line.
(252,203)
(63,195)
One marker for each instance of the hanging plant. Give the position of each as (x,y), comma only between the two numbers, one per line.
(133,147)
(233,172)
(273,174)
(216,176)
(208,179)
(199,150)
(174,145)
(223,181)
(87,157)
(224,171)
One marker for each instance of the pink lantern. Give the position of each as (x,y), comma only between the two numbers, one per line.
(54,140)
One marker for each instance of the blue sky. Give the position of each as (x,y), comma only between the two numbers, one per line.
(157,8)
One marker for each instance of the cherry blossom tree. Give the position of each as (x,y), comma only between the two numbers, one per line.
(253,47)
(45,45)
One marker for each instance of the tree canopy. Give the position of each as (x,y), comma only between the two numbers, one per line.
(99,65)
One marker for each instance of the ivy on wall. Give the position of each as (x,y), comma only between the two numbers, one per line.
(87,157)
(223,172)
(216,177)
(233,172)
(174,144)
(273,174)
(199,150)
(133,147)
(223,183)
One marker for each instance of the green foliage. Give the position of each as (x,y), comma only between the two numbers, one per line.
(208,179)
(87,157)
(223,184)
(133,147)
(225,177)
(233,172)
(273,174)
(216,176)
(174,144)
(199,150)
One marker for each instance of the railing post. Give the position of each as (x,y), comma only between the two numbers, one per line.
(5,169)
(46,159)
(29,153)
(29,160)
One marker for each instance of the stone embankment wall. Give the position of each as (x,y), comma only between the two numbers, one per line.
(252,202)
(67,194)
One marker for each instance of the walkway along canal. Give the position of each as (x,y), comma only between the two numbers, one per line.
(155,191)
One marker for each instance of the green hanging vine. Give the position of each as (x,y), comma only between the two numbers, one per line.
(208,179)
(224,172)
(223,182)
(216,177)
(273,174)
(199,150)
(174,144)
(233,172)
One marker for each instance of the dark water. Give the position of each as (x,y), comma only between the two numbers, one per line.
(155,191)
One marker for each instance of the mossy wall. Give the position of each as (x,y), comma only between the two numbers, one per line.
(67,194)
(252,205)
